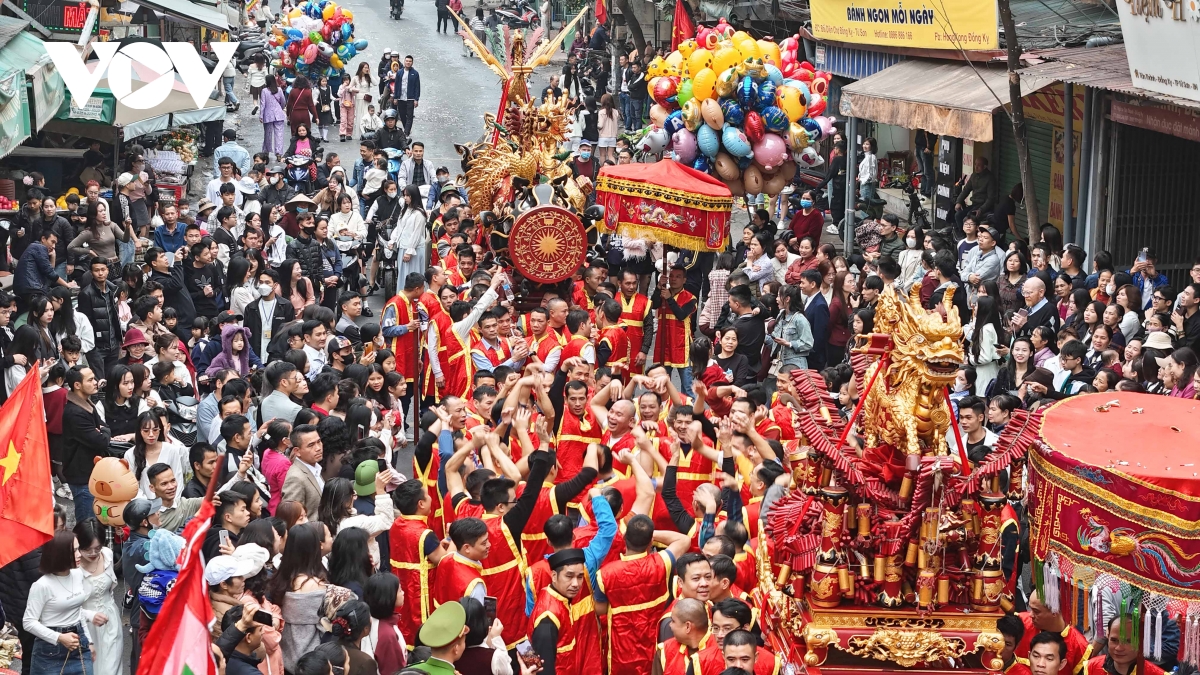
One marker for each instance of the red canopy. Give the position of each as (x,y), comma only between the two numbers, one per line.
(666,202)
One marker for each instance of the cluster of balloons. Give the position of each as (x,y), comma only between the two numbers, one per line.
(742,109)
(315,38)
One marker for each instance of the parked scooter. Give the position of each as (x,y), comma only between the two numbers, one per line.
(519,14)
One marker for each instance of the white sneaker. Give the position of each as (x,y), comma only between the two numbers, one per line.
(832,229)
(788,189)
(64,491)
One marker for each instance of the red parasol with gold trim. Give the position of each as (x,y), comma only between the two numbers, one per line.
(665,202)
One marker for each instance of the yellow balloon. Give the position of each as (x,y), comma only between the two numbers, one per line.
(294,13)
(739,36)
(727,81)
(335,61)
(674,60)
(657,67)
(686,48)
(703,84)
(348,15)
(726,58)
(769,51)
(692,118)
(699,60)
(748,49)
(790,101)
(327,13)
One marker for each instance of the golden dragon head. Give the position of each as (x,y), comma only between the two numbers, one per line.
(923,340)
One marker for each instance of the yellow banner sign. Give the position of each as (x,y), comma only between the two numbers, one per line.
(936,24)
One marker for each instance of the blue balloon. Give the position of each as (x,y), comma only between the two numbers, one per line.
(774,75)
(360,45)
(766,96)
(774,119)
(343,51)
(708,141)
(735,141)
(732,112)
(747,92)
(810,125)
(347,31)
(351,51)
(745,162)
(294,34)
(673,123)
(702,163)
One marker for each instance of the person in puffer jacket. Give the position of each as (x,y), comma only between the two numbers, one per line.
(235,351)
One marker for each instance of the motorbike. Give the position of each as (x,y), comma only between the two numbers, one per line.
(397,9)
(181,413)
(519,14)
(395,157)
(918,215)
(299,173)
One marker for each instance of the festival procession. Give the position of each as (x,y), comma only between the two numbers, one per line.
(830,337)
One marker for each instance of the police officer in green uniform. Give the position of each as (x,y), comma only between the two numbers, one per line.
(445,633)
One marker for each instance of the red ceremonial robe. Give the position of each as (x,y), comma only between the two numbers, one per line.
(635,312)
(674,335)
(456,578)
(637,591)
(552,606)
(406,347)
(407,540)
(503,570)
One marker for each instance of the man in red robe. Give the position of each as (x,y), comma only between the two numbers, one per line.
(1122,658)
(687,651)
(741,650)
(543,342)
(402,322)
(1012,629)
(676,308)
(460,574)
(555,625)
(415,553)
(635,318)
(613,349)
(1040,618)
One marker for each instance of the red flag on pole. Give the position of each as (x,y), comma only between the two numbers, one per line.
(26,492)
(179,642)
(601,12)
(683,28)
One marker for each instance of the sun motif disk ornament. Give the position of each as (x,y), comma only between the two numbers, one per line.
(547,244)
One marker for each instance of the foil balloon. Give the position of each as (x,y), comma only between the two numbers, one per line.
(653,142)
(683,144)
(747,93)
(685,92)
(788,171)
(673,123)
(774,119)
(664,89)
(755,69)
(727,169)
(658,115)
(810,158)
(753,180)
(358,44)
(727,83)
(769,51)
(733,112)
(702,164)
(735,141)
(699,60)
(725,58)
(775,183)
(797,137)
(708,141)
(692,118)
(754,127)
(748,48)
(810,125)
(310,54)
(817,107)
(686,48)
(704,84)
(770,152)
(713,116)
(826,124)
(820,86)
(657,67)
(791,101)
(735,187)
(766,95)
(774,75)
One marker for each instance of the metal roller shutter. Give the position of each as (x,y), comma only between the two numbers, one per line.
(1040,139)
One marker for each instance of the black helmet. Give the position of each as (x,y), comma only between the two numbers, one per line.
(389,114)
(275,168)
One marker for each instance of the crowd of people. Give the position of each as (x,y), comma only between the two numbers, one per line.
(589,475)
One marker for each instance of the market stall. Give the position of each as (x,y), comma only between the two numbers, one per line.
(1114,505)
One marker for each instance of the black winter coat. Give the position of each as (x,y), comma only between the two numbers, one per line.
(308,251)
(101,309)
(15,580)
(175,294)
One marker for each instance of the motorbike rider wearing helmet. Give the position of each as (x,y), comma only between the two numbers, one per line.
(392,134)
(277,192)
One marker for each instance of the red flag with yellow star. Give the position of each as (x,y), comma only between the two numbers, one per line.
(26,492)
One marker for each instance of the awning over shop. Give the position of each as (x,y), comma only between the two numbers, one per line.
(189,11)
(25,51)
(947,98)
(1105,67)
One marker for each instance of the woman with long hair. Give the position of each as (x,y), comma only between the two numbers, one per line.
(67,321)
(1011,281)
(1130,298)
(1052,237)
(55,612)
(352,623)
(1112,317)
(608,124)
(1093,315)
(239,285)
(988,333)
(1045,345)
(336,510)
(151,446)
(376,388)
(792,334)
(1079,300)
(25,350)
(100,580)
(121,405)
(758,265)
(271,104)
(349,561)
(292,513)
(839,314)
(101,237)
(1178,376)
(737,367)
(298,588)
(40,315)
(381,220)
(301,110)
(1017,366)
(485,653)
(364,85)
(1101,341)
(294,286)
(410,237)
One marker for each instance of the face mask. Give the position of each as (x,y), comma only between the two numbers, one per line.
(276,178)
(806,203)
(184,212)
(265,289)
(959,387)
(391,195)
(585,156)
(912,242)
(1109,289)
(301,209)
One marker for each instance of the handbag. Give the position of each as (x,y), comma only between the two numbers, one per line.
(368,98)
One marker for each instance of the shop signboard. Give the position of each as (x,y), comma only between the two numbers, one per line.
(945,24)
(1058,171)
(60,16)
(1174,122)
(1162,43)
(949,170)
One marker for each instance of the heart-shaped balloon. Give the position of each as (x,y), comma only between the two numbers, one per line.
(753,127)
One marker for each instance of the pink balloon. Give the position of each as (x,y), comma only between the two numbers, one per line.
(770,152)
(310,54)
(683,143)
